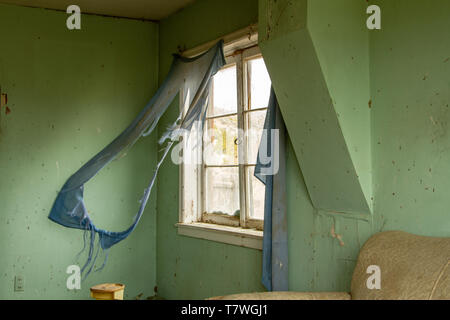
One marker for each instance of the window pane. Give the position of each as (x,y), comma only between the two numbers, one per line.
(256,192)
(220,146)
(222,190)
(224,92)
(260,84)
(255,125)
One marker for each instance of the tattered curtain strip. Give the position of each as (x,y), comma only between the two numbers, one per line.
(193,74)
(272,172)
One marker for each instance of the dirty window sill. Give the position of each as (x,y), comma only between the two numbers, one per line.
(248,238)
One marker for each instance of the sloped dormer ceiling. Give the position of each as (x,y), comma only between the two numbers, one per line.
(319,70)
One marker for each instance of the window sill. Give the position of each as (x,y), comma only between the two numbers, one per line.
(248,238)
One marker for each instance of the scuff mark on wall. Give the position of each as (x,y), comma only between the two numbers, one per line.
(336,236)
(3,102)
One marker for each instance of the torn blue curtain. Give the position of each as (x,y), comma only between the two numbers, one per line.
(271,170)
(194,76)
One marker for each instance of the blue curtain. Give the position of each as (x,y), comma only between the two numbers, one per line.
(69,209)
(271,170)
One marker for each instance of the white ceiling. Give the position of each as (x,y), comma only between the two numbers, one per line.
(138,9)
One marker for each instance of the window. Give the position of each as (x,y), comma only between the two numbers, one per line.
(231,195)
(220,192)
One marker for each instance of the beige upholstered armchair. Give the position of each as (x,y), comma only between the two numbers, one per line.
(412,267)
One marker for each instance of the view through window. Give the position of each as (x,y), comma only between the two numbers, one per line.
(231,195)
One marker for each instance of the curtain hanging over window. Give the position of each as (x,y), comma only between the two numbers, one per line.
(195,75)
(271,171)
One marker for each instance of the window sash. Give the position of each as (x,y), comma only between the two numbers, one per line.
(190,193)
(239,60)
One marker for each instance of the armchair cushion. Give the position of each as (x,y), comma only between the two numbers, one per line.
(286,296)
(412,267)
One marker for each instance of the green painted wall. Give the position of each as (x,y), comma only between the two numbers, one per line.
(62,83)
(403,69)
(317,53)
(189,267)
(193,268)
(307,50)
(317,261)
(70,93)
(341,42)
(410,88)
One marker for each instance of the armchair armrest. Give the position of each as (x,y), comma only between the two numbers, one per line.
(287,295)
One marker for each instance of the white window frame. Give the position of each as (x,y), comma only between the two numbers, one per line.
(238,59)
(193,221)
